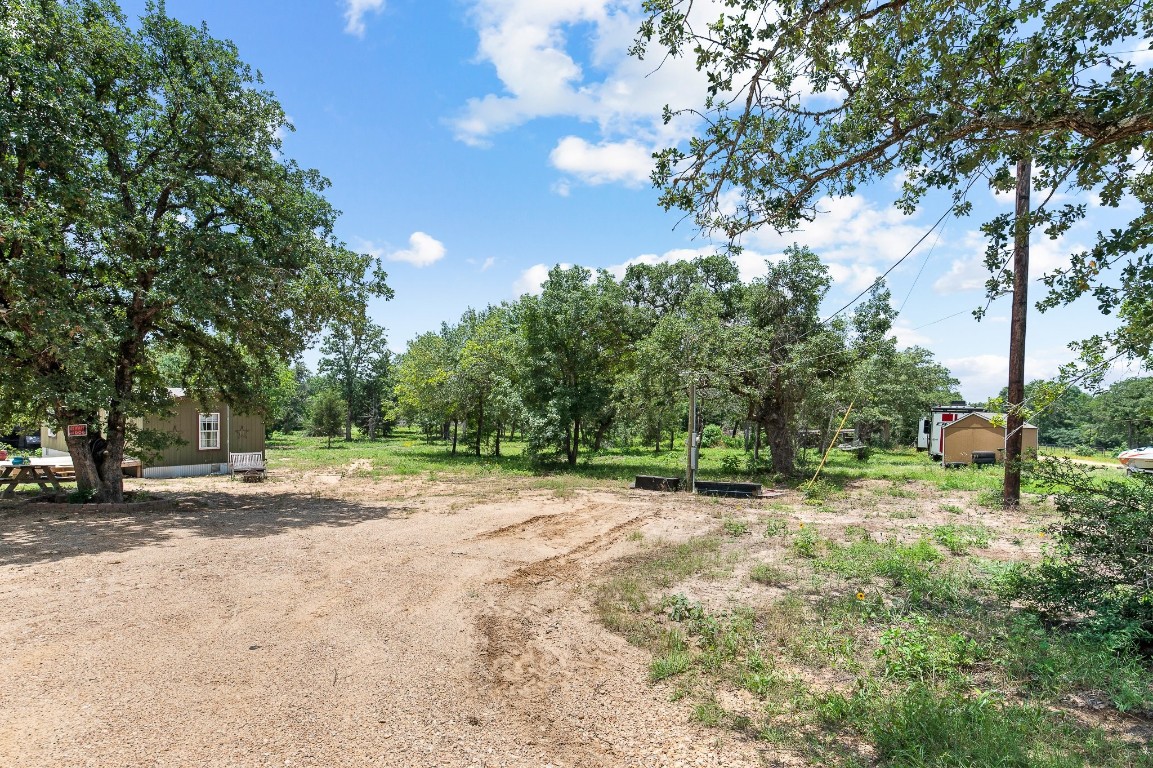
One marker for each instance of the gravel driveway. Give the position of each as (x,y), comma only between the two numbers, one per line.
(335,622)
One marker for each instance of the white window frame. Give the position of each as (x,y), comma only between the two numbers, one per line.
(209,428)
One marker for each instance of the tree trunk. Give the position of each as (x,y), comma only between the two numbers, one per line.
(780,444)
(574,443)
(373,413)
(87,474)
(112,468)
(348,423)
(454,423)
(602,430)
(479,424)
(1015,417)
(496,447)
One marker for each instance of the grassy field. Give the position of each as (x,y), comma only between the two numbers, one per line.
(879,642)
(407,452)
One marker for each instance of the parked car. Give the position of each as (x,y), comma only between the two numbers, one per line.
(21,441)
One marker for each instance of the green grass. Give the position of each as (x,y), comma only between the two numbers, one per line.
(771,575)
(940,673)
(734,527)
(959,538)
(407,453)
(625,602)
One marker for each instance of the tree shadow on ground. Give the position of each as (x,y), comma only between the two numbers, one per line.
(37,534)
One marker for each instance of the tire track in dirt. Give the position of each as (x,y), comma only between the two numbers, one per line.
(542,657)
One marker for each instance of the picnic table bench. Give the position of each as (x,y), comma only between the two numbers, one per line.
(12,475)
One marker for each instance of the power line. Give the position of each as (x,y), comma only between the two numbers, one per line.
(924,263)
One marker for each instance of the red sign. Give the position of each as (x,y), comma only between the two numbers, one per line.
(78,430)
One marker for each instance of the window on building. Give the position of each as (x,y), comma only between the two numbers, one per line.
(209,431)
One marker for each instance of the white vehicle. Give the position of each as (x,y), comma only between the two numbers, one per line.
(940,415)
(1137,460)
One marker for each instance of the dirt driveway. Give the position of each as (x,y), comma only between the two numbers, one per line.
(325,623)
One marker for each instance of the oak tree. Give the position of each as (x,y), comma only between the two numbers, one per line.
(146,203)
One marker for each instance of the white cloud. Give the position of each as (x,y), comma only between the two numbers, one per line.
(533,47)
(356,10)
(1142,54)
(983,376)
(423,250)
(626,162)
(910,337)
(532,279)
(488,263)
(968,273)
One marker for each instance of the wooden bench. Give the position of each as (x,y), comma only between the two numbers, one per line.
(245,462)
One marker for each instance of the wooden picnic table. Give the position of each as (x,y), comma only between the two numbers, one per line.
(12,475)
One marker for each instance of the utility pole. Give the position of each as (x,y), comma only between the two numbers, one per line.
(1016,399)
(690,451)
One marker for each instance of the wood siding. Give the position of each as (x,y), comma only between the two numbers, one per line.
(239,433)
(974,433)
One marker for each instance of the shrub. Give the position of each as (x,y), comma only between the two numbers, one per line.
(1102,564)
(712,436)
(805,542)
(732,465)
(734,527)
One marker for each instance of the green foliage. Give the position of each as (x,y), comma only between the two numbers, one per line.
(819,490)
(671,663)
(81,496)
(1102,565)
(574,344)
(712,436)
(157,214)
(921,652)
(1057,663)
(328,412)
(950,94)
(806,541)
(734,527)
(959,538)
(764,573)
(923,729)
(288,398)
(356,357)
(967,683)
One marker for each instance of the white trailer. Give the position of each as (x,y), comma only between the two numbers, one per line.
(939,416)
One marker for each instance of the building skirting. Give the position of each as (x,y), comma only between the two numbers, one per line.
(184,470)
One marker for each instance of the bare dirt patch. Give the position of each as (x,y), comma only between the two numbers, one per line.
(333,620)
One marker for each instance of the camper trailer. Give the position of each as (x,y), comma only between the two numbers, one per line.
(929,436)
(958,434)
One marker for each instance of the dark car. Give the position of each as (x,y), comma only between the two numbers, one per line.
(21,441)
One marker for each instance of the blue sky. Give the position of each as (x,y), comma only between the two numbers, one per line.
(472,144)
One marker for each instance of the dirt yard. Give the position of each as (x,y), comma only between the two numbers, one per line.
(330,622)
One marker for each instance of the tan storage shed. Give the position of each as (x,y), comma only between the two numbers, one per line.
(209,433)
(976,432)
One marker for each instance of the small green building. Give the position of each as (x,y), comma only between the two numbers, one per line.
(209,433)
